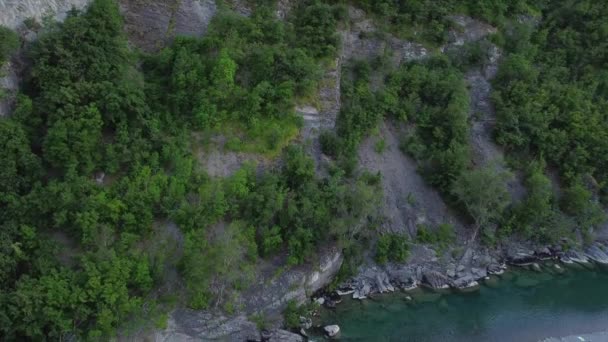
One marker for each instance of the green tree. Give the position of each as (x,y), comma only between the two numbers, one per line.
(484,193)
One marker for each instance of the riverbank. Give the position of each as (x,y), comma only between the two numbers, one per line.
(436,271)
(519,305)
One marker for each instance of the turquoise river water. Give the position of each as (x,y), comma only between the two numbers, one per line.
(518,306)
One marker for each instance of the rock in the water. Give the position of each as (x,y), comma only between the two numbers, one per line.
(496,269)
(320,300)
(536,267)
(332,330)
(465,282)
(305,322)
(435,280)
(521,257)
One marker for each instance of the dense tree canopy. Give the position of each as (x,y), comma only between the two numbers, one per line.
(103,202)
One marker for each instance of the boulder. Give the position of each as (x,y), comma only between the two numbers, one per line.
(451,271)
(496,269)
(479,272)
(435,280)
(332,330)
(383,284)
(305,322)
(465,282)
(521,257)
(544,253)
(363,291)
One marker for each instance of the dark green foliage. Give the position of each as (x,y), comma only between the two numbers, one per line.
(484,193)
(433,96)
(392,247)
(9,42)
(551,102)
(428,19)
(316,27)
(292,314)
(441,236)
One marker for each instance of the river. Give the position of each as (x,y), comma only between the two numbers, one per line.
(518,306)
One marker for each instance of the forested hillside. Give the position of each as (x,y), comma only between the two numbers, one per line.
(108,217)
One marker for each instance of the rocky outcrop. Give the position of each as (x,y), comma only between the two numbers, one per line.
(361,41)
(14,12)
(9,85)
(596,254)
(272,291)
(189,325)
(151,24)
(435,280)
(408,200)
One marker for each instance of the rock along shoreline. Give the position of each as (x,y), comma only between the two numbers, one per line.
(465,274)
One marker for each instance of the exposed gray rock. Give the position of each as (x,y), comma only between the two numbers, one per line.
(435,280)
(595,253)
(576,256)
(332,330)
(279,335)
(271,291)
(305,322)
(520,256)
(465,282)
(451,271)
(496,269)
(407,196)
(190,325)
(479,273)
(9,85)
(469,30)
(151,24)
(14,12)
(383,284)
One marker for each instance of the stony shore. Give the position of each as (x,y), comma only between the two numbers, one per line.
(463,273)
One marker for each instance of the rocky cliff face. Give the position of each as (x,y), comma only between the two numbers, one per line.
(151,24)
(14,12)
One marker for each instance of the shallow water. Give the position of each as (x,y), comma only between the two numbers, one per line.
(521,306)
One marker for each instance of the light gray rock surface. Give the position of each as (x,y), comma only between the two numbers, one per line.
(14,12)
(151,24)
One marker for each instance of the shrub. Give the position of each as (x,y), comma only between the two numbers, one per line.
(392,247)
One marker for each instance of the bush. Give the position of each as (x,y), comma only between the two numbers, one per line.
(392,247)
(9,42)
